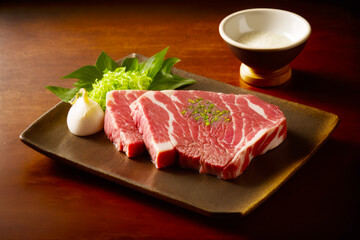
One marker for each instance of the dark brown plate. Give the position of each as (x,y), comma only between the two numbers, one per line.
(308,128)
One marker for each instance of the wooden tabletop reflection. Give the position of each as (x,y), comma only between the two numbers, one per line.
(41,198)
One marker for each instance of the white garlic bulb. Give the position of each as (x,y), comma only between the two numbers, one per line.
(85,116)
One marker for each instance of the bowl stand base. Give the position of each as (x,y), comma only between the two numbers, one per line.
(265,78)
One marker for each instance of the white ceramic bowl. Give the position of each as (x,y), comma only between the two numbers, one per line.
(266,20)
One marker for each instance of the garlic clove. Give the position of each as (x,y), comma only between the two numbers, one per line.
(85,116)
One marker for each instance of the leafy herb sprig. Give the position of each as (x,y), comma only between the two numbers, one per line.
(152,74)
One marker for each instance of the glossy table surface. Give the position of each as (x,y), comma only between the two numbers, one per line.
(41,198)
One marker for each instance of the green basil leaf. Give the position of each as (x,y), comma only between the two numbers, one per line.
(174,82)
(130,64)
(105,62)
(164,79)
(87,73)
(167,65)
(84,84)
(152,65)
(64,94)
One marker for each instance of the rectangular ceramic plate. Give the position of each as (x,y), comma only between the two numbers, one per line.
(308,128)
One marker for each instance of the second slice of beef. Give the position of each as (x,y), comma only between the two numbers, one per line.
(214,133)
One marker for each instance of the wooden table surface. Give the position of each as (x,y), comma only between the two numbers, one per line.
(41,198)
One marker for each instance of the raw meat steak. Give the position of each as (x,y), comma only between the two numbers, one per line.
(119,126)
(214,133)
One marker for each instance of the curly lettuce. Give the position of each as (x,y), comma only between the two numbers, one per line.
(118,80)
